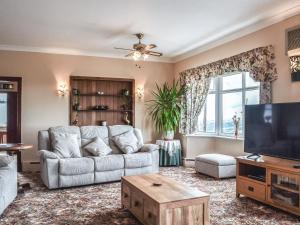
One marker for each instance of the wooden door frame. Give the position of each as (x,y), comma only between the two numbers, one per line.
(19,103)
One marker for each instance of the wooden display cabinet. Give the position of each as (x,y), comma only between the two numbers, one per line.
(271,180)
(88,93)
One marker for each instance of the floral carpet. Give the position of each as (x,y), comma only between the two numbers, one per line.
(100,204)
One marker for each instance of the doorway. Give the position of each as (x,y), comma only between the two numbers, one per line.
(10,109)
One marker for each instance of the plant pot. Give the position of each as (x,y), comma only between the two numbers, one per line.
(168,135)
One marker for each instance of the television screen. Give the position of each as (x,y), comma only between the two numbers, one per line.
(273,129)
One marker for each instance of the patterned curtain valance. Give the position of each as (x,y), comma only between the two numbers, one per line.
(259,62)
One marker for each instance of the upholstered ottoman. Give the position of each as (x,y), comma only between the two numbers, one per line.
(216,165)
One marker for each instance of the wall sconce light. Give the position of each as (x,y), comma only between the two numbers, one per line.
(294,56)
(140,93)
(62,89)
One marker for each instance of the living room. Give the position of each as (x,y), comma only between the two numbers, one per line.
(101,70)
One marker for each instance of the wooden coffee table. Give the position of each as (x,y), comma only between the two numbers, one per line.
(157,200)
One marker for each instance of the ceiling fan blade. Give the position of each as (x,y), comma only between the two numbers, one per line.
(130,54)
(127,49)
(154,53)
(148,47)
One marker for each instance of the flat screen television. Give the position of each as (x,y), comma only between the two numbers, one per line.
(273,129)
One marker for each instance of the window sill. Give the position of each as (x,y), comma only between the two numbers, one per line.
(215,136)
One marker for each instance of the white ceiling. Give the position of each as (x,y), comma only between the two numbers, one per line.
(179,28)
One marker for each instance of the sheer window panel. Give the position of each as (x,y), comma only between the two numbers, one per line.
(250,82)
(232,103)
(211,113)
(201,121)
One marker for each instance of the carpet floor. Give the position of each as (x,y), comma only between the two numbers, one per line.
(100,204)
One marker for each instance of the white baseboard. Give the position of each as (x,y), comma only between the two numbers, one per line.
(187,162)
(31,166)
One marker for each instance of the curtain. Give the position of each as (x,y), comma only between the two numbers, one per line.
(259,62)
(194,100)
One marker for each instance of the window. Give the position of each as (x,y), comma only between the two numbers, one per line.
(227,96)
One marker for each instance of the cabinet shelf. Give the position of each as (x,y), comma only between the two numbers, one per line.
(98,95)
(98,110)
(285,188)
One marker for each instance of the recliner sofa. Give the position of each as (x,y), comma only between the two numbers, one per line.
(8,184)
(89,169)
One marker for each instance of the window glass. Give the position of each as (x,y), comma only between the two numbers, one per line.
(211,113)
(3,110)
(232,82)
(212,85)
(252,97)
(231,104)
(226,100)
(201,121)
(249,81)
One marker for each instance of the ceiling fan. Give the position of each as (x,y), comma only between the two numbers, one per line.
(141,50)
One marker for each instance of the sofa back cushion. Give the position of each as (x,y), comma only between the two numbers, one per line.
(117,130)
(65,145)
(44,140)
(98,147)
(89,133)
(65,130)
(127,142)
(114,131)
(5,160)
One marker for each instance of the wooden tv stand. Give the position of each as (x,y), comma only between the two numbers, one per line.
(270,180)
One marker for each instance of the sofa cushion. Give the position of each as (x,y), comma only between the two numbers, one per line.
(127,142)
(137,160)
(8,184)
(109,162)
(76,166)
(66,130)
(115,131)
(5,160)
(149,148)
(76,180)
(89,133)
(139,136)
(98,147)
(65,145)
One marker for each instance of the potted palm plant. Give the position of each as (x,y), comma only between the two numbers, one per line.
(165,108)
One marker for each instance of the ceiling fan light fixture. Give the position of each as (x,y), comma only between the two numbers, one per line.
(140,50)
(136,55)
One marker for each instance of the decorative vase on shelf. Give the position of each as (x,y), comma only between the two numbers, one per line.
(168,135)
(236,121)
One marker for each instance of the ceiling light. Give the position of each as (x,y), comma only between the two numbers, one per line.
(136,55)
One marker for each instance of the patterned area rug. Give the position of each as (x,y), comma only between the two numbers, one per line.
(100,204)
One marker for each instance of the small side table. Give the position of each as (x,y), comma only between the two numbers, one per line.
(169,152)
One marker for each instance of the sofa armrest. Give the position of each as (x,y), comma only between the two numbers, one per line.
(49,170)
(149,148)
(45,154)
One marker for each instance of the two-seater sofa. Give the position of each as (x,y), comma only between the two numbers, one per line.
(88,169)
(8,184)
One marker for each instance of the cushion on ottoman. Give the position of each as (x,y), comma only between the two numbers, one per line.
(216,165)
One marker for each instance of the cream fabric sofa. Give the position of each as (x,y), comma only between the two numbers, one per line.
(66,172)
(8,184)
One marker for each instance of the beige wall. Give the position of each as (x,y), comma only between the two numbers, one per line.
(283,89)
(42,108)
(41,73)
